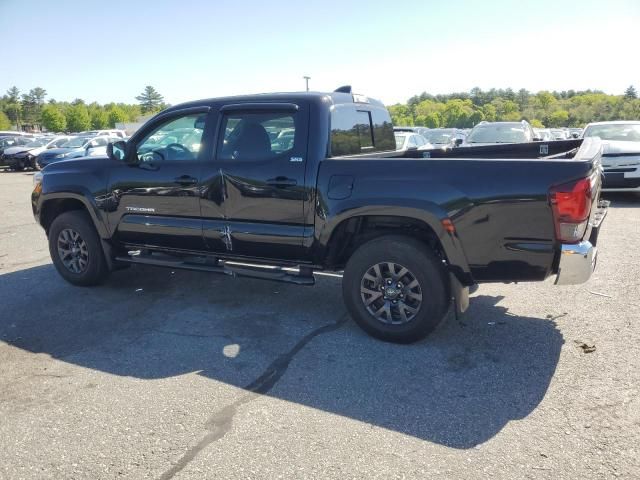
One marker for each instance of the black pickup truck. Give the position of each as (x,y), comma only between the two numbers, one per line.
(276,186)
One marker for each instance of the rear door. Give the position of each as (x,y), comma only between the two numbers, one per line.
(156,201)
(258,176)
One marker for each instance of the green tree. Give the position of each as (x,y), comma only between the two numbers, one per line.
(32,105)
(545,99)
(433,120)
(489,111)
(78,118)
(630,93)
(559,118)
(99,118)
(457,113)
(14,112)
(535,123)
(38,94)
(5,123)
(13,95)
(53,119)
(150,100)
(476,117)
(522,98)
(116,115)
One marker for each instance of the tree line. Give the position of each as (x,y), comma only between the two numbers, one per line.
(32,111)
(542,109)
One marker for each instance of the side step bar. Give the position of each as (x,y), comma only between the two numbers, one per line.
(254,271)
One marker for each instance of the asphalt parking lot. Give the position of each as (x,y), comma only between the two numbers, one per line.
(171,374)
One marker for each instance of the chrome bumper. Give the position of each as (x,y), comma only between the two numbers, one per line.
(577,263)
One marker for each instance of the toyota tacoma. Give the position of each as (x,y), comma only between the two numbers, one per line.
(277,186)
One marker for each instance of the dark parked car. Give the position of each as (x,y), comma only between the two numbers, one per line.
(24,156)
(411,234)
(9,141)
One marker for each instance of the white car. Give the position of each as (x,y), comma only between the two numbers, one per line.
(620,154)
(109,133)
(411,141)
(559,134)
(544,134)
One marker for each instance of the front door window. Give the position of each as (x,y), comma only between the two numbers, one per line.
(178,139)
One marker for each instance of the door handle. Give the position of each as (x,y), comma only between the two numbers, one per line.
(186,180)
(282,182)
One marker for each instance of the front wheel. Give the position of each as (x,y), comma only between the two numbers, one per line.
(395,289)
(76,250)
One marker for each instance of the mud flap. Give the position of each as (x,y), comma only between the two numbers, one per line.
(459,295)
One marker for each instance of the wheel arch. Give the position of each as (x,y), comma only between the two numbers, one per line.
(56,204)
(342,238)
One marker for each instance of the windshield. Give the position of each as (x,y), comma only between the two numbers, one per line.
(513,133)
(76,142)
(38,142)
(58,143)
(624,132)
(438,137)
(399,141)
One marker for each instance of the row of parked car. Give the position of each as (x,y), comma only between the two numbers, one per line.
(485,133)
(19,151)
(620,140)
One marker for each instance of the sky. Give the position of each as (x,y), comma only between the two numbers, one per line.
(109,50)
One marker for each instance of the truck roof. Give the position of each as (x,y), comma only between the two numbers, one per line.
(333,98)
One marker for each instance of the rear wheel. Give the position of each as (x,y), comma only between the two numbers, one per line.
(395,289)
(76,250)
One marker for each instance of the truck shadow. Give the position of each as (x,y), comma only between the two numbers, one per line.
(457,388)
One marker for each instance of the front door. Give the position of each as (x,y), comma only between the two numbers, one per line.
(154,198)
(258,176)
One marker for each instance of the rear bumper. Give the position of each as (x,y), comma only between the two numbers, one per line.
(578,261)
(625,179)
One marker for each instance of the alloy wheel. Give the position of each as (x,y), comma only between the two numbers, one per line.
(73,251)
(391,293)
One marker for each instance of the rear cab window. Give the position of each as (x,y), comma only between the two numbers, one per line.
(360,129)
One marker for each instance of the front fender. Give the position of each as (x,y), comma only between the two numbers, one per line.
(83,181)
(46,199)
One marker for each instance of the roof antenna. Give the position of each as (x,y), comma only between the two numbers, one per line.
(343,89)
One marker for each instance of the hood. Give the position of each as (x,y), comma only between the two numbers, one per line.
(19,149)
(77,164)
(616,154)
(613,148)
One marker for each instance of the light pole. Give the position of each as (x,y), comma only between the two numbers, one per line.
(306,79)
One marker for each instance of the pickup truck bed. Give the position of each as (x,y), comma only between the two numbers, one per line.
(311,181)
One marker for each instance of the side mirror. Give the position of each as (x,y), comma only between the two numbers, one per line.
(458,142)
(117,150)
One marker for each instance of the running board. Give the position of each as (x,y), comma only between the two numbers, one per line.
(266,273)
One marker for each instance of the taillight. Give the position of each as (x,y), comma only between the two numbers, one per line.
(571,204)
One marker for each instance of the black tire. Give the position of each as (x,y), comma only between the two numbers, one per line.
(92,269)
(422,265)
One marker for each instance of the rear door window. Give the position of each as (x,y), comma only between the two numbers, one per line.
(259,136)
